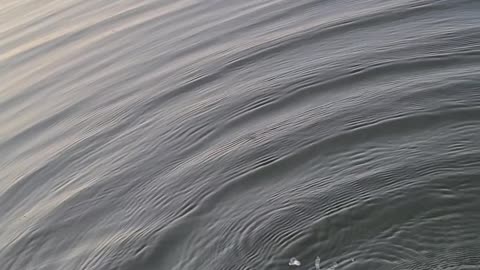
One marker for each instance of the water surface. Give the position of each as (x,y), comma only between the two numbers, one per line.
(235,135)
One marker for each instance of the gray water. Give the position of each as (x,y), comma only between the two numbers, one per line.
(235,135)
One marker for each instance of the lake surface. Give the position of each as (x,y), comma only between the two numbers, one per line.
(238,135)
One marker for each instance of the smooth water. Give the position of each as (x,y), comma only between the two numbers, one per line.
(235,135)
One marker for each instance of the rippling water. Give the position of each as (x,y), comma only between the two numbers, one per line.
(235,135)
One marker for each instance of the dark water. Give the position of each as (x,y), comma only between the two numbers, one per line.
(235,135)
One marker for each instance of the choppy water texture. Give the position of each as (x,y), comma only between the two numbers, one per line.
(235,135)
